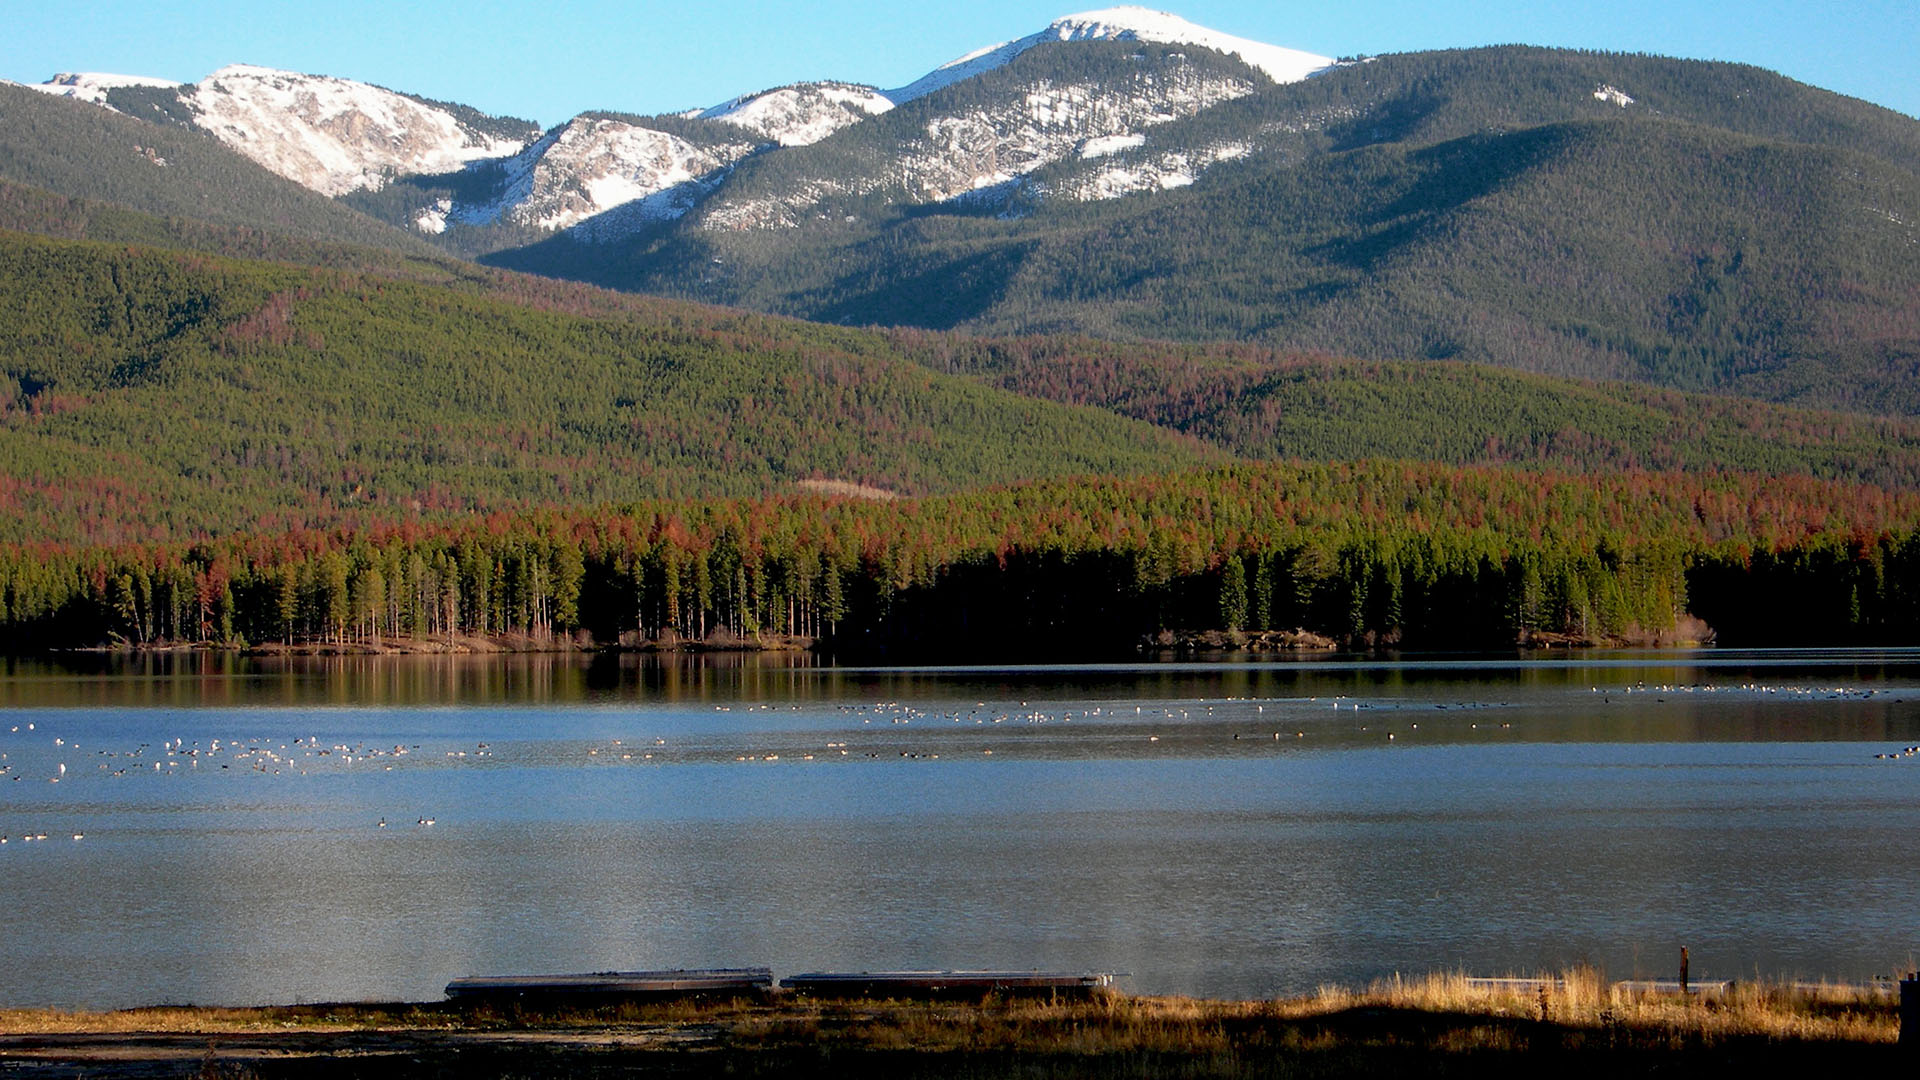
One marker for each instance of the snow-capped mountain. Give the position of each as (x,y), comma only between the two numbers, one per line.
(331,135)
(988,145)
(338,136)
(1128,23)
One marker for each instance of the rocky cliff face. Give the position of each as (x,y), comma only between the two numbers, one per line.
(331,135)
(335,135)
(591,165)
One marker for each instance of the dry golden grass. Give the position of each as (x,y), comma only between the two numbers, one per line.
(1445,1012)
(1582,998)
(846,489)
(196,1020)
(1461,1014)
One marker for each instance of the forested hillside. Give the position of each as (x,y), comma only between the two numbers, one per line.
(153,394)
(1262,403)
(1418,555)
(86,152)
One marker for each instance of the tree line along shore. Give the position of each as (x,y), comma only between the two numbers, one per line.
(1369,554)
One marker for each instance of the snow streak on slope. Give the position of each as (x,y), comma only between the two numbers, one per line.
(1123,24)
(592,164)
(1130,173)
(803,113)
(334,135)
(93,86)
(956,153)
(1612,95)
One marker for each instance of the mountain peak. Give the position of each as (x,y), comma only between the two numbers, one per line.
(258,71)
(1129,23)
(801,113)
(92,86)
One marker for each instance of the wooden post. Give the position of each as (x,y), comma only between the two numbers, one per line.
(1910,1013)
(1683,969)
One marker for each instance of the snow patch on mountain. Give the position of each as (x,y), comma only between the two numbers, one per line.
(1133,173)
(334,135)
(1609,94)
(590,165)
(666,204)
(433,219)
(979,148)
(785,211)
(1052,122)
(803,113)
(1107,145)
(1282,65)
(93,86)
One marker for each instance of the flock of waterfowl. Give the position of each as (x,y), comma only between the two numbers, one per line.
(309,754)
(1765,690)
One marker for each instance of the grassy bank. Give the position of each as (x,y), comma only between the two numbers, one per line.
(1441,1025)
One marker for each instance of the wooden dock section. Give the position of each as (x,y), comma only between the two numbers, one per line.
(946,984)
(614,984)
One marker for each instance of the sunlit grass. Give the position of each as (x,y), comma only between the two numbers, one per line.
(1442,1012)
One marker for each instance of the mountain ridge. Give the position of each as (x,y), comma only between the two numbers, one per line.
(338,136)
(1688,224)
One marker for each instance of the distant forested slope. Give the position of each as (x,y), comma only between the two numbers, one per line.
(149,394)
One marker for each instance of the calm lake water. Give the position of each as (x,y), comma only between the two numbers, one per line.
(213,826)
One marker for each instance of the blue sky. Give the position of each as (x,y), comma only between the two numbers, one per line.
(548,61)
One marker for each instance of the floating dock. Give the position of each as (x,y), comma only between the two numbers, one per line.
(884,984)
(614,984)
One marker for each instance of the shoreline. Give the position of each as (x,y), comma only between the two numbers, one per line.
(453,645)
(1165,644)
(1437,1025)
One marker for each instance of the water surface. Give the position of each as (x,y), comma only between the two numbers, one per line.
(1229,829)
